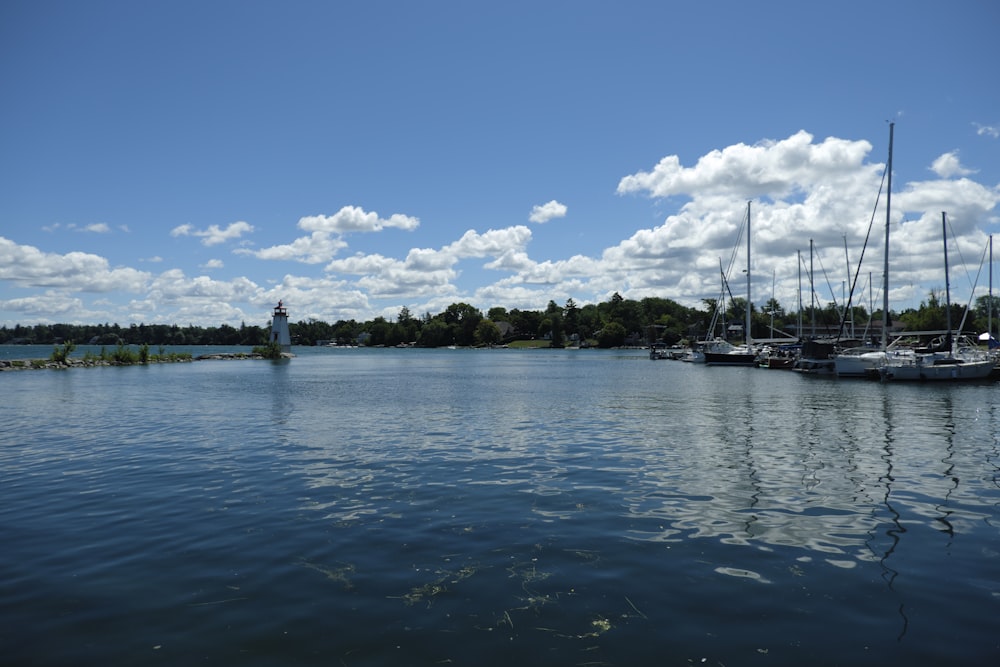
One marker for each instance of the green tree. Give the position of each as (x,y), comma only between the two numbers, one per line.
(497,314)
(435,333)
(612,335)
(557,337)
(463,320)
(571,318)
(487,333)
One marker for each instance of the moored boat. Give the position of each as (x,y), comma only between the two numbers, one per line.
(948,361)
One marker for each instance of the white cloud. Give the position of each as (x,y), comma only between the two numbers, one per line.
(96,228)
(27,266)
(492,243)
(987,130)
(356,219)
(46,307)
(214,235)
(213,264)
(313,249)
(325,240)
(947,166)
(548,211)
(770,168)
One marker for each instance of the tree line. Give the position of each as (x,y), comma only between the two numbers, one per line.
(612,323)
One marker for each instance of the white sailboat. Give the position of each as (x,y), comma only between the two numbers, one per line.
(723,353)
(950,362)
(860,362)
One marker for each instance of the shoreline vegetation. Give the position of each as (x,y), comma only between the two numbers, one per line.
(617,322)
(124,355)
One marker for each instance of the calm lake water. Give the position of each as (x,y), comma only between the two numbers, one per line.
(426,507)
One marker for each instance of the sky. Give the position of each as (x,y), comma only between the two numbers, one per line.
(194,162)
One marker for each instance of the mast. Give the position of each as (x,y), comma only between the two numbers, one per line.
(847,260)
(722,272)
(748,338)
(885,265)
(947,286)
(798,254)
(773,274)
(812,290)
(989,304)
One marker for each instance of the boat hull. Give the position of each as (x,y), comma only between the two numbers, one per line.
(917,371)
(730,358)
(815,367)
(859,365)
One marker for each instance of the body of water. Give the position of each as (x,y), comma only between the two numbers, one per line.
(495,507)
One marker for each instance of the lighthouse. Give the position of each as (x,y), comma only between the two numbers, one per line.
(279,328)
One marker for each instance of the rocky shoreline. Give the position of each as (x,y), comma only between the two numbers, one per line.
(93,362)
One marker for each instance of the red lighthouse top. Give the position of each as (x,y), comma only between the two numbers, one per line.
(280,310)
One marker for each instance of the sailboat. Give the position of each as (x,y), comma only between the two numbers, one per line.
(950,362)
(723,353)
(859,362)
(815,356)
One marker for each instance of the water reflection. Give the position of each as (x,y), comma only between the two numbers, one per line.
(896,530)
(948,472)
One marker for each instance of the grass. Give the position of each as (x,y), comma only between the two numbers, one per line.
(528,344)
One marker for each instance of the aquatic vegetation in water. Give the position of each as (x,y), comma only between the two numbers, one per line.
(427,592)
(341,575)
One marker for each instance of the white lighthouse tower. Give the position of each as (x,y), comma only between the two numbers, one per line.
(279,328)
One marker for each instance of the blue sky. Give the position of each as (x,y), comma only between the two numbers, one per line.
(194,162)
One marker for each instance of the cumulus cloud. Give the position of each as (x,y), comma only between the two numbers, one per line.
(356,219)
(427,272)
(491,243)
(213,264)
(46,307)
(326,237)
(948,166)
(214,235)
(770,168)
(313,249)
(27,266)
(548,211)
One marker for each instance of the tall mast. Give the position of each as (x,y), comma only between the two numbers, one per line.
(771,330)
(947,285)
(847,260)
(812,290)
(885,265)
(798,255)
(989,304)
(722,272)
(748,338)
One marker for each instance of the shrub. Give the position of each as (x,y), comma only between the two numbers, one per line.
(123,355)
(270,351)
(61,354)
